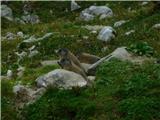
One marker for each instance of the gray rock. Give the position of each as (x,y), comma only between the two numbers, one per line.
(121,54)
(19,89)
(89,13)
(74,6)
(99,10)
(61,78)
(119,23)
(33,19)
(106,34)
(6,12)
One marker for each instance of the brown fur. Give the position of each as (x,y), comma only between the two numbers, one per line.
(66,54)
(69,65)
(87,58)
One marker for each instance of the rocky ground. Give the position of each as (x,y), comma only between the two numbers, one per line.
(126,86)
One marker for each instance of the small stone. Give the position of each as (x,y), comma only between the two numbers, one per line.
(119,23)
(94,32)
(85,37)
(156,26)
(20,34)
(33,53)
(129,32)
(9,74)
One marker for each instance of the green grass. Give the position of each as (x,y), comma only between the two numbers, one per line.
(123,91)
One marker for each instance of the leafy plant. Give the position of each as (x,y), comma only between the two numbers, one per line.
(141,48)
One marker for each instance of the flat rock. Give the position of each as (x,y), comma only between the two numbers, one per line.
(62,79)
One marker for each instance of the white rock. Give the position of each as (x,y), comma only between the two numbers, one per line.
(94,32)
(61,78)
(156,26)
(86,17)
(99,10)
(10,36)
(9,73)
(74,5)
(91,78)
(129,32)
(85,37)
(89,13)
(33,39)
(20,34)
(33,53)
(144,3)
(119,23)
(33,19)
(106,34)
(6,12)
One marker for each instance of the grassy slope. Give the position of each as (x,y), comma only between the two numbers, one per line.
(112,98)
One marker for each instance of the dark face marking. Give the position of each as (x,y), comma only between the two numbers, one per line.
(62,52)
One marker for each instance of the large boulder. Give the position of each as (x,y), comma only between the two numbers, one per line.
(6,12)
(61,78)
(102,11)
(106,34)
